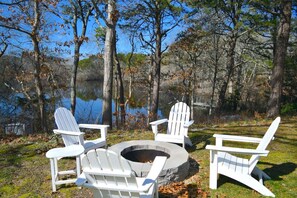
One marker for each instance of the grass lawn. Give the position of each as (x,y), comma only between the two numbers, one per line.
(25,171)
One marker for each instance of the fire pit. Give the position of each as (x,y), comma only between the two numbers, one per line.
(141,153)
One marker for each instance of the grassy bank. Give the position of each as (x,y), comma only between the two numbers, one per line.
(25,171)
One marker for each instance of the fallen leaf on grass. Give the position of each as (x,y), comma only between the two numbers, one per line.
(182,190)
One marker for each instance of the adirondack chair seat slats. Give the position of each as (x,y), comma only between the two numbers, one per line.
(237,168)
(177,127)
(117,186)
(228,162)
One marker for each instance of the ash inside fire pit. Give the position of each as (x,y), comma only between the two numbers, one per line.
(140,154)
(143,156)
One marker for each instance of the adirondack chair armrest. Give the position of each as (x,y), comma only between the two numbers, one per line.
(63,132)
(103,128)
(157,167)
(220,138)
(157,122)
(93,126)
(237,150)
(187,124)
(155,125)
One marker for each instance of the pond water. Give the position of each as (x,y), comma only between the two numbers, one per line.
(90,111)
(89,105)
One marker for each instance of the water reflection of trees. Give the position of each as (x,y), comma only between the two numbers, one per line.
(14,107)
(89,90)
(92,90)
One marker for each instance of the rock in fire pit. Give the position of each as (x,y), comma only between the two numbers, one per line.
(141,153)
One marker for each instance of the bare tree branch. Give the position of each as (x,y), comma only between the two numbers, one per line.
(12,3)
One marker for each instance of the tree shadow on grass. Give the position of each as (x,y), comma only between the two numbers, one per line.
(197,139)
(13,156)
(278,170)
(193,168)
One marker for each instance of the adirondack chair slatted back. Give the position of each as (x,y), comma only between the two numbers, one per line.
(179,114)
(109,171)
(264,142)
(66,121)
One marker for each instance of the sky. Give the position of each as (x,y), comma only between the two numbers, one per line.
(123,44)
(90,47)
(87,49)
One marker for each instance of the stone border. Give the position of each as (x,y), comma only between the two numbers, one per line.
(176,167)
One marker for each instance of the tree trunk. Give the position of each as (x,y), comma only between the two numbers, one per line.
(77,14)
(121,85)
(108,65)
(116,96)
(37,64)
(230,69)
(149,95)
(282,38)
(38,87)
(238,89)
(157,68)
(216,66)
(73,77)
(131,73)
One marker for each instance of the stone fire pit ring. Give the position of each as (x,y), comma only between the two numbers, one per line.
(177,164)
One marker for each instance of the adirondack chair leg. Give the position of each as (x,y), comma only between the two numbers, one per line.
(213,174)
(78,169)
(53,162)
(156,190)
(254,184)
(153,192)
(188,141)
(261,174)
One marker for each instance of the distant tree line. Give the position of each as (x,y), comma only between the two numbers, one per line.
(239,53)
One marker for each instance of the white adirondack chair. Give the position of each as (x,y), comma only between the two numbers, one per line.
(109,175)
(178,124)
(71,134)
(240,169)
